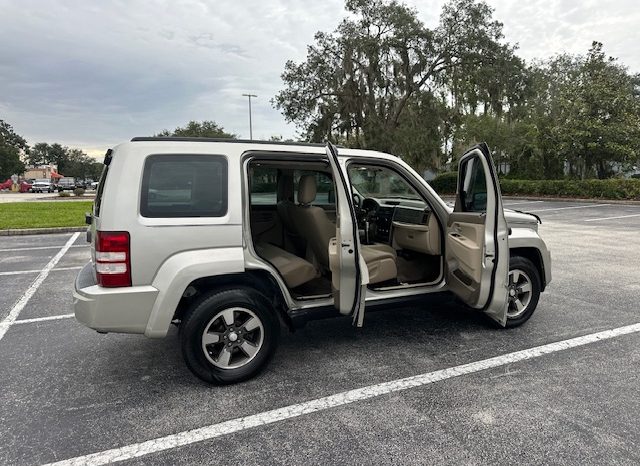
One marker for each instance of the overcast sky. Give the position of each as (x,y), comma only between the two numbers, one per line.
(90,74)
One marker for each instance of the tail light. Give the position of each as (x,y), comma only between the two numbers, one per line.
(113,258)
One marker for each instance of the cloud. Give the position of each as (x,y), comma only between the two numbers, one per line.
(92,74)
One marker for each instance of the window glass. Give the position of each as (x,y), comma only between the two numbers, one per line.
(184,186)
(325,194)
(473,192)
(380,182)
(264,185)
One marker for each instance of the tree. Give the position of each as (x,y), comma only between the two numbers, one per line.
(9,137)
(10,163)
(11,147)
(38,154)
(587,113)
(375,81)
(196,129)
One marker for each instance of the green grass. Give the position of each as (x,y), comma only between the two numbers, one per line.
(43,214)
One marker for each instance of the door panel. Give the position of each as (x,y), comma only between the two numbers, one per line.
(477,250)
(349,276)
(466,243)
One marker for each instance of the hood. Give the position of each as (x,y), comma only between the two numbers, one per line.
(515,218)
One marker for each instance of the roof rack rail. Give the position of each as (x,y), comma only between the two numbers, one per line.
(237,141)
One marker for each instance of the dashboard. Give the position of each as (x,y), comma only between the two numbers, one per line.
(404,223)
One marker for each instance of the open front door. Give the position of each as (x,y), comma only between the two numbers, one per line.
(349,273)
(477,248)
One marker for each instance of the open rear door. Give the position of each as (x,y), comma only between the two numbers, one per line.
(477,244)
(348,269)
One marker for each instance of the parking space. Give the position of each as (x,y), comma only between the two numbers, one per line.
(67,391)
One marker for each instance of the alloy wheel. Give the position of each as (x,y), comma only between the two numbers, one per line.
(520,292)
(232,338)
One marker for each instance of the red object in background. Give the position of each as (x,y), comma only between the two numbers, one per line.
(24,186)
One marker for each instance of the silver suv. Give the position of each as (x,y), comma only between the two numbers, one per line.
(226,239)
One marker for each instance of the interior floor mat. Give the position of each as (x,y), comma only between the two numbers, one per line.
(319,286)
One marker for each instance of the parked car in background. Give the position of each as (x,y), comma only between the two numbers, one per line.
(42,186)
(84,184)
(94,185)
(66,183)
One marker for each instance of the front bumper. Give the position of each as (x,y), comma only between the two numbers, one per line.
(123,310)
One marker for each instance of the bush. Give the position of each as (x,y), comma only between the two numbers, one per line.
(614,188)
(64,194)
(445,183)
(78,191)
(628,189)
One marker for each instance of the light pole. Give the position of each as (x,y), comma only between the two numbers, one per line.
(250,128)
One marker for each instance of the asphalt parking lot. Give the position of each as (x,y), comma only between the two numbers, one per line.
(67,392)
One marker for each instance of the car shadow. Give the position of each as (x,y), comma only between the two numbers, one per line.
(395,342)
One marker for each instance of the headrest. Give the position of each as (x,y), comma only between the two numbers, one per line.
(307,189)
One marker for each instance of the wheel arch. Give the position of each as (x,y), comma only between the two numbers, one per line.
(534,255)
(260,280)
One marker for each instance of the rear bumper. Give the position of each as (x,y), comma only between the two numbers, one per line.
(123,310)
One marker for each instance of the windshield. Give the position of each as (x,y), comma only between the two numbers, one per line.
(380,182)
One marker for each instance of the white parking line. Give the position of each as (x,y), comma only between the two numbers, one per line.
(24,299)
(611,218)
(507,203)
(36,319)
(188,437)
(24,272)
(572,207)
(38,248)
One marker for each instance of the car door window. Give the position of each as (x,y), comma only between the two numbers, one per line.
(473,192)
(264,186)
(380,182)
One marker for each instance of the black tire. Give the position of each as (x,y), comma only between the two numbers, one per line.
(195,323)
(525,265)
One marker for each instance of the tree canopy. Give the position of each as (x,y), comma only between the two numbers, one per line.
(383,80)
(11,147)
(197,129)
(70,162)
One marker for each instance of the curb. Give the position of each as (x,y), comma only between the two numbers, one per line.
(40,231)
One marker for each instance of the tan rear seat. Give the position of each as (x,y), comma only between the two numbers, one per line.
(294,270)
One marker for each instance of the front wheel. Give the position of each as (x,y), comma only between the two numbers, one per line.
(229,336)
(524,290)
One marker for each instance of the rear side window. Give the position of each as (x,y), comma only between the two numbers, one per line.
(103,178)
(184,186)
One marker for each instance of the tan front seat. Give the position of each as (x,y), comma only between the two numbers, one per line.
(312,223)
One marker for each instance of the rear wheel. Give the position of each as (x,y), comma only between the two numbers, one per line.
(524,290)
(229,336)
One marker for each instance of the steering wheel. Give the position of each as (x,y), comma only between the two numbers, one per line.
(357,200)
